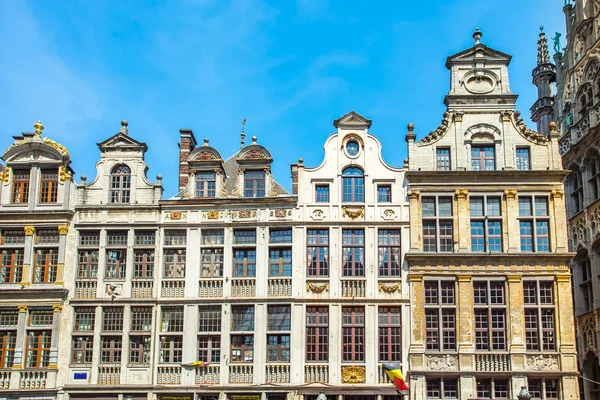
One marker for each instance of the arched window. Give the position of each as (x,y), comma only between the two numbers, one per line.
(576,187)
(353,182)
(120,184)
(594,168)
(585,285)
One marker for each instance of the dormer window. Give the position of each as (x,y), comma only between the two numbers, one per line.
(353,182)
(206,184)
(254,184)
(20,192)
(49,186)
(120,184)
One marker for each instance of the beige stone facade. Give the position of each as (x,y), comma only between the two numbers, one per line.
(488,263)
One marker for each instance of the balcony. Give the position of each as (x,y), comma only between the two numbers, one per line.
(210,288)
(353,288)
(169,375)
(240,373)
(210,374)
(109,375)
(85,289)
(280,287)
(33,380)
(142,289)
(5,380)
(316,374)
(172,288)
(277,374)
(492,362)
(243,288)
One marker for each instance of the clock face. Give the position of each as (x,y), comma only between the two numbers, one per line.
(352,147)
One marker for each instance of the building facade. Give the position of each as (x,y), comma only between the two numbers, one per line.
(488,260)
(36,195)
(575,109)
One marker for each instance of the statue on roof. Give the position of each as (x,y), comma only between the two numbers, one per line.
(556,40)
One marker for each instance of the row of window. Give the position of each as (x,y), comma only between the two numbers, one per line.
(38,336)
(489,299)
(486,223)
(483,158)
(244,258)
(45,263)
(242,337)
(575,184)
(48,186)
(492,388)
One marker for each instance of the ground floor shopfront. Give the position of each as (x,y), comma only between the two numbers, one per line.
(309,394)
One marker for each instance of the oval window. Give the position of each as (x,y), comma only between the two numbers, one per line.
(352,147)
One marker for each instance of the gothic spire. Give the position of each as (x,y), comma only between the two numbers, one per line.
(542,55)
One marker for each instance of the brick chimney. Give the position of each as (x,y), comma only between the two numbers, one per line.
(186,145)
(294,168)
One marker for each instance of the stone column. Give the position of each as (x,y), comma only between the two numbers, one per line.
(558,214)
(28,255)
(462,233)
(20,343)
(416,225)
(465,319)
(62,247)
(53,363)
(96,346)
(260,343)
(516,321)
(511,228)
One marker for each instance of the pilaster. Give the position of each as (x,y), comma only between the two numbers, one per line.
(512,223)
(465,316)
(53,362)
(463,220)
(416,230)
(417,332)
(27,255)
(565,326)
(19,345)
(558,214)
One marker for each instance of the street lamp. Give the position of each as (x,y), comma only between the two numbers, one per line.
(524,394)
(321,396)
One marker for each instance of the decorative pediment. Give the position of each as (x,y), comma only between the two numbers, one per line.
(254,152)
(481,53)
(122,141)
(352,120)
(205,153)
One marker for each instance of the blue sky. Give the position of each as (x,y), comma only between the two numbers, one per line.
(290,67)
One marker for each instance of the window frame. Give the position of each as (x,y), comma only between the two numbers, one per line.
(436,224)
(206,184)
(489,315)
(442,159)
(440,337)
(523,163)
(389,326)
(389,253)
(538,314)
(254,183)
(384,193)
(488,225)
(353,334)
(353,185)
(482,157)
(317,334)
(120,184)
(21,186)
(322,193)
(539,237)
(48,185)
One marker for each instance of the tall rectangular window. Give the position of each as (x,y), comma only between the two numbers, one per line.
(143,254)
(11,270)
(278,336)
(112,319)
(437,224)
(353,252)
(353,185)
(39,337)
(171,319)
(254,184)
(20,189)
(534,222)
(82,349)
(318,252)
(353,334)
(539,316)
(140,339)
(46,264)
(322,193)
(209,334)
(389,253)
(442,158)
(490,315)
(206,184)
(242,341)
(440,315)
(486,224)
(8,337)
(116,264)
(212,253)
(390,334)
(523,162)
(49,186)
(280,262)
(543,388)
(174,263)
(483,158)
(244,263)
(171,349)
(384,193)
(317,334)
(84,320)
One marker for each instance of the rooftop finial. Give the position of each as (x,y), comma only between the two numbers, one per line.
(38,128)
(254,139)
(124,129)
(206,141)
(542,54)
(243,134)
(477,36)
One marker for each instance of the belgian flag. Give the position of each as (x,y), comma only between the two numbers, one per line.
(394,372)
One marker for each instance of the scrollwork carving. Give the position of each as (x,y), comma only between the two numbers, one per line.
(311,287)
(353,374)
(439,132)
(389,288)
(353,214)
